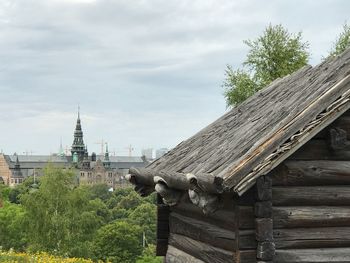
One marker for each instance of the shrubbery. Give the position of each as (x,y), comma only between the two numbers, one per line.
(63,219)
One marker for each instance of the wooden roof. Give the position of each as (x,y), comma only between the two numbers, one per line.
(257,135)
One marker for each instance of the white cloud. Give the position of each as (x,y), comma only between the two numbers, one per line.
(146,73)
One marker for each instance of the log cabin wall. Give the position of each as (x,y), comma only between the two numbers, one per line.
(195,237)
(311,200)
(163,212)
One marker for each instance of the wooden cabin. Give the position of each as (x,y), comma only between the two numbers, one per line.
(269,181)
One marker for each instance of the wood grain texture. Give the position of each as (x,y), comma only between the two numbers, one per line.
(202,231)
(315,172)
(326,255)
(201,250)
(311,195)
(308,216)
(175,255)
(224,218)
(321,237)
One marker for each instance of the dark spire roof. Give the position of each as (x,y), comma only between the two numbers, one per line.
(78,142)
(17,170)
(106,153)
(17,165)
(106,161)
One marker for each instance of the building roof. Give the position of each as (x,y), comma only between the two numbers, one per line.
(36,161)
(254,137)
(38,158)
(126,159)
(40,161)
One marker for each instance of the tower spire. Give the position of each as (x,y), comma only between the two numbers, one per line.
(61,151)
(106,161)
(78,145)
(16,172)
(78,112)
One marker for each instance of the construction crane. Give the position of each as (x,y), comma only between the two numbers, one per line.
(102,143)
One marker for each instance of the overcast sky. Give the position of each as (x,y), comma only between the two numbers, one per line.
(145,73)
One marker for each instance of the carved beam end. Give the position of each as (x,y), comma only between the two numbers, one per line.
(170,196)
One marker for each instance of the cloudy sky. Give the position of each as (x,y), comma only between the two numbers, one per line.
(145,73)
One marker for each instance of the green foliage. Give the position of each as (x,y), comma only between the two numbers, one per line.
(275,54)
(62,219)
(100,191)
(12,226)
(101,210)
(342,42)
(88,221)
(239,86)
(145,217)
(4,192)
(148,256)
(20,189)
(118,242)
(131,201)
(46,209)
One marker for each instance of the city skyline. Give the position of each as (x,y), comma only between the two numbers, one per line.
(102,147)
(146,74)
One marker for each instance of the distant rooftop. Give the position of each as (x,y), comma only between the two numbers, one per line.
(66,159)
(38,158)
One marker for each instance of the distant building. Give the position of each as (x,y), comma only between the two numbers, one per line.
(90,169)
(17,176)
(160,152)
(78,147)
(148,153)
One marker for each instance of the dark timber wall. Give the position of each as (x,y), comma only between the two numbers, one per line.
(195,237)
(311,201)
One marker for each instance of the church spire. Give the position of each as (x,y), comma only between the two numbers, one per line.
(78,146)
(78,112)
(106,161)
(61,151)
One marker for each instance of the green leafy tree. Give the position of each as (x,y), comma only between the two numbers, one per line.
(100,191)
(84,218)
(118,242)
(46,210)
(61,219)
(149,256)
(275,54)
(131,201)
(145,217)
(23,188)
(342,42)
(119,213)
(12,226)
(239,86)
(4,193)
(101,210)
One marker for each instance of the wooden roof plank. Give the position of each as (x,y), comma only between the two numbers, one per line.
(237,142)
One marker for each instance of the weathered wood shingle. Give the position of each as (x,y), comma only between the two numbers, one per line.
(236,143)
